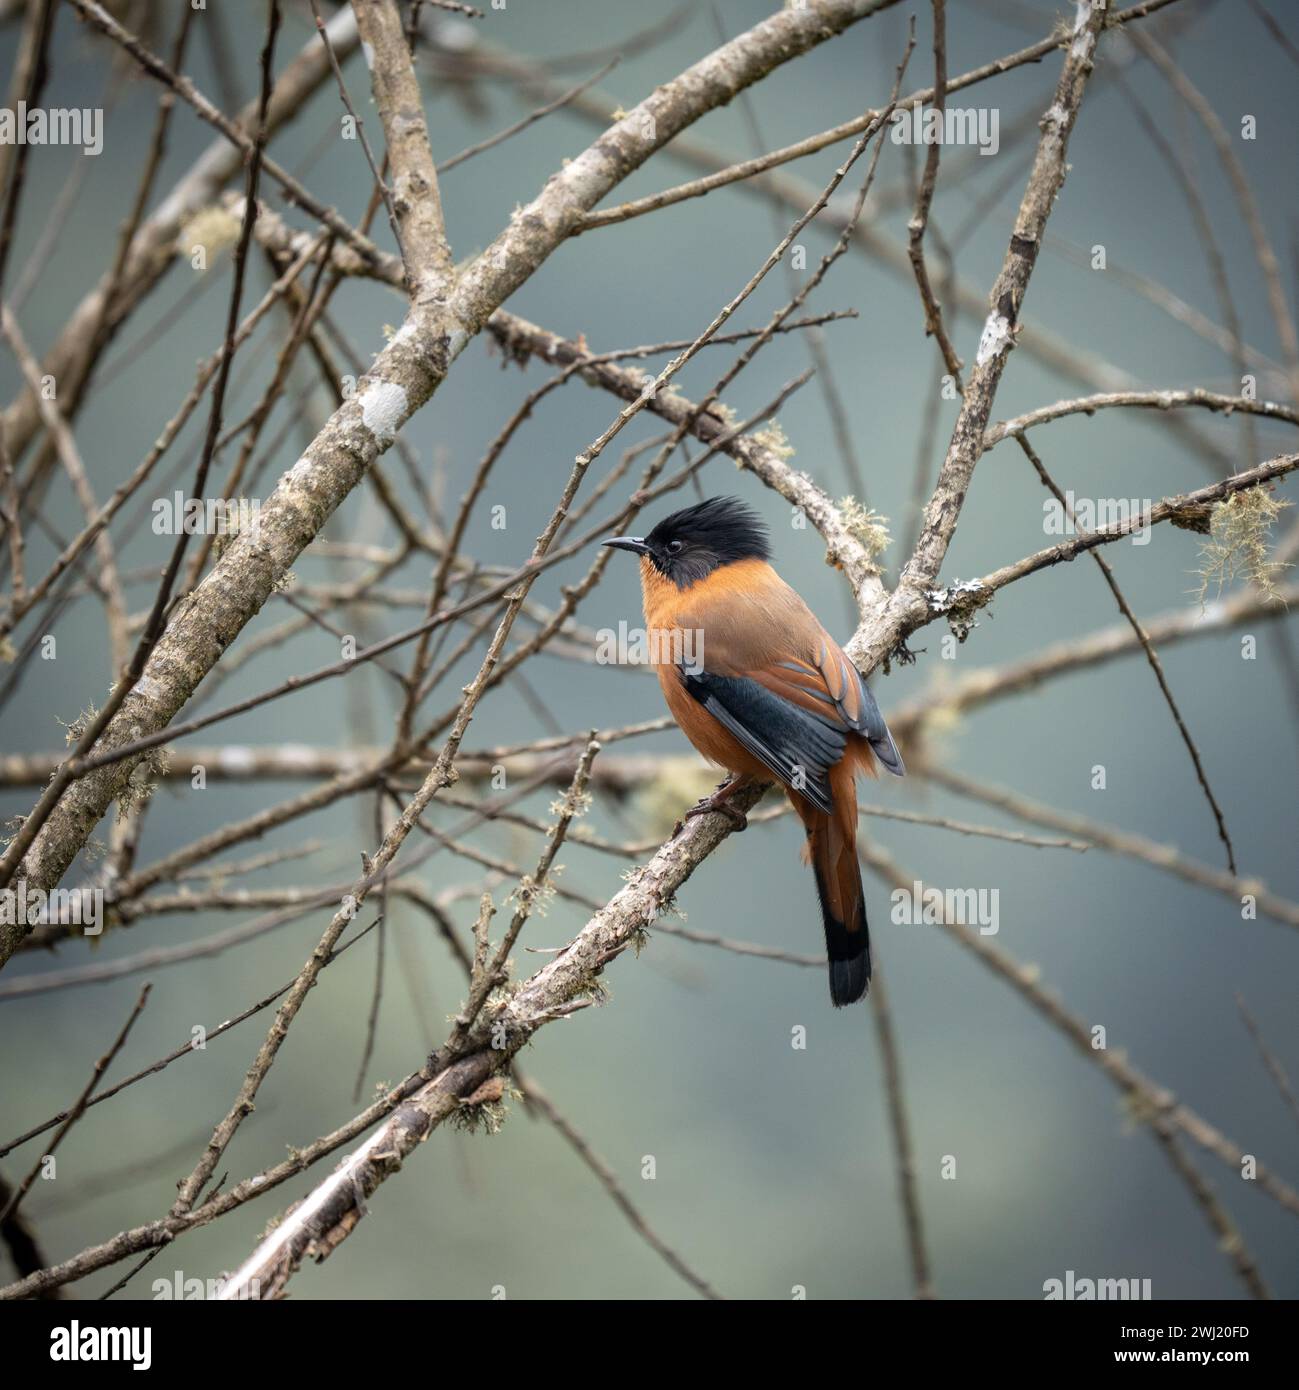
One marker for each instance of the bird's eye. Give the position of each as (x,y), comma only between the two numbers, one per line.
(674,547)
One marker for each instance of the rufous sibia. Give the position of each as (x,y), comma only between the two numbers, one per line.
(765,692)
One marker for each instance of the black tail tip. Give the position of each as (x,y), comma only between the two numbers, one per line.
(849,979)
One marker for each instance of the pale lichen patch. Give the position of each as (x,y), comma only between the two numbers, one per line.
(867,526)
(1239,545)
(384,408)
(994,339)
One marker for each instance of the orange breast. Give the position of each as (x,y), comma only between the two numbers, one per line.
(717,745)
(663,604)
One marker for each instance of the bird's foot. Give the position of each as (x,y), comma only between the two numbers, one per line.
(718,801)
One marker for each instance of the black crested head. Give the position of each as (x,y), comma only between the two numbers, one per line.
(690,544)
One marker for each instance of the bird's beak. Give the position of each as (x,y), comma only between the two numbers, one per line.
(633,543)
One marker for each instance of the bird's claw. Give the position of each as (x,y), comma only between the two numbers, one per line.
(716,802)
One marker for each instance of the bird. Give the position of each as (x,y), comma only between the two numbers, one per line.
(762,690)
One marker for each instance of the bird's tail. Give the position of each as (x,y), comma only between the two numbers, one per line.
(832,851)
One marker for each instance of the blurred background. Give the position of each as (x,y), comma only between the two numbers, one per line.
(773,1166)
